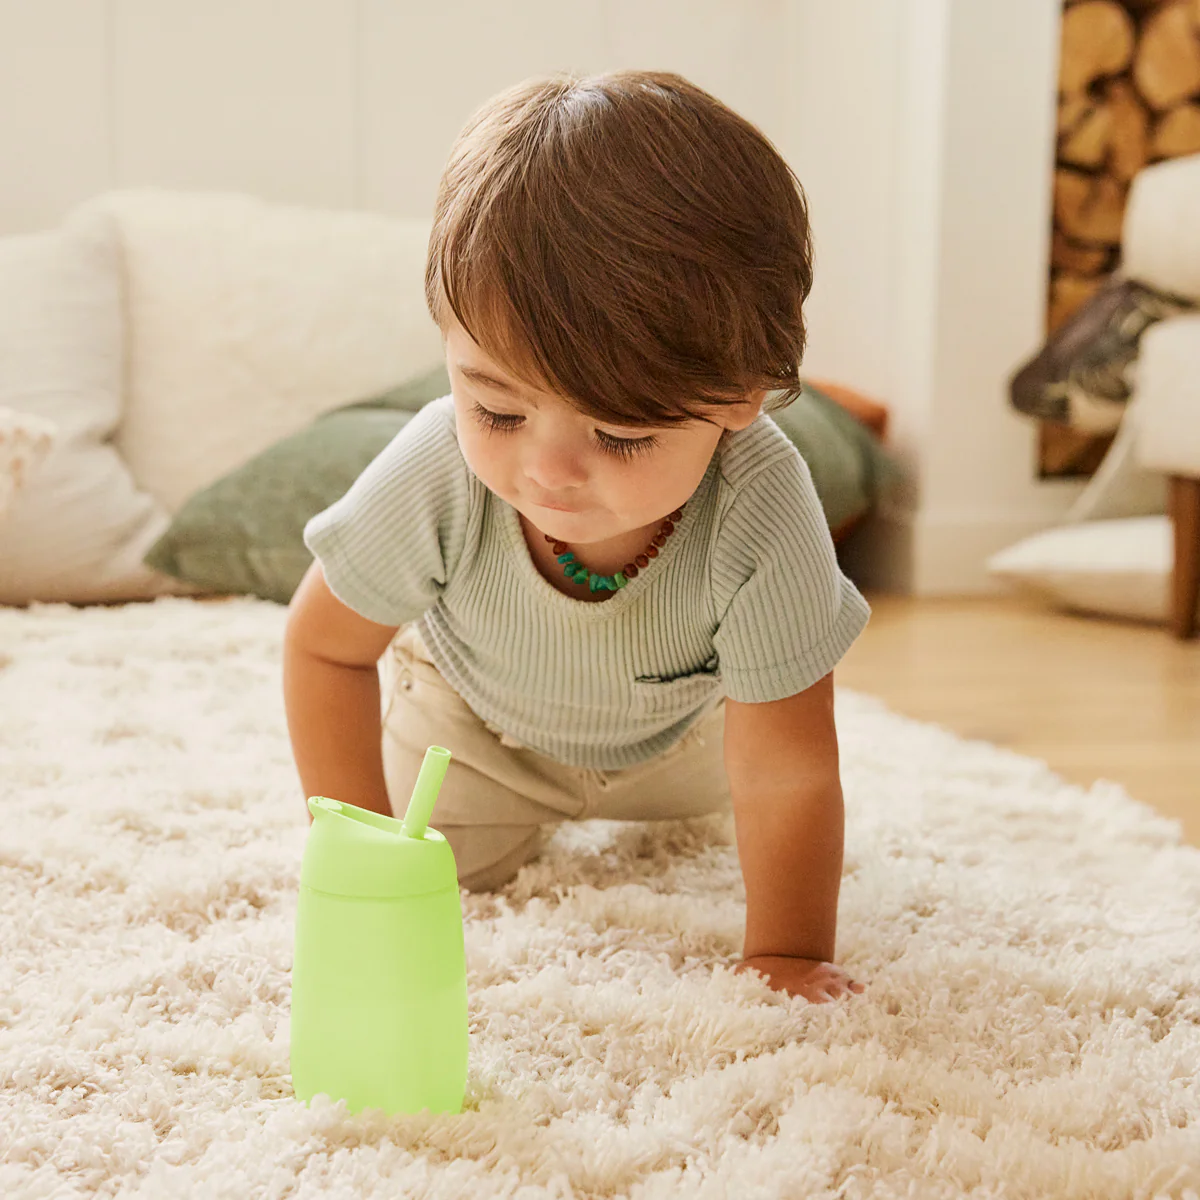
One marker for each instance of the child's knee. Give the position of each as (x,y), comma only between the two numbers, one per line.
(489,856)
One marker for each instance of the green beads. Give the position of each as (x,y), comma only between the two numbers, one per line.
(573,569)
(580,574)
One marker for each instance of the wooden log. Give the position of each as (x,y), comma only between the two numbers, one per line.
(1129,149)
(1097,40)
(1071,110)
(1111,132)
(1067,293)
(1166,65)
(1089,208)
(1087,144)
(1177,133)
(1075,258)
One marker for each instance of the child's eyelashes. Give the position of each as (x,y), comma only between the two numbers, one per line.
(495,420)
(623,448)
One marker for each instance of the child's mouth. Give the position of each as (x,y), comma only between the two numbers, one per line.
(560,508)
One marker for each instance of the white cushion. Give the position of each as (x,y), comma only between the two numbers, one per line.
(1115,568)
(1168,396)
(249,319)
(25,440)
(78,531)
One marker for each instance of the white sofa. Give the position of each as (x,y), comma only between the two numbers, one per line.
(1118,554)
(1161,248)
(159,338)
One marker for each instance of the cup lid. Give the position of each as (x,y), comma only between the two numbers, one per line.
(352,851)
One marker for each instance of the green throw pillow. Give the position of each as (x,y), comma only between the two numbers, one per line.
(245,533)
(850,469)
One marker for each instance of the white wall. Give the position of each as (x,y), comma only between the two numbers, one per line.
(343,103)
(922,130)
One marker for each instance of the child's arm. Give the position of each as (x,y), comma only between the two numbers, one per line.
(782,761)
(331,694)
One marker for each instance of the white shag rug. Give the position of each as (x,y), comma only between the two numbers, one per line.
(1031,1024)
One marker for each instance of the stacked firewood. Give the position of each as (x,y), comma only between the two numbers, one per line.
(1129,94)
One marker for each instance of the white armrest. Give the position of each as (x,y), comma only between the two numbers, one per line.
(1168,397)
(1160,234)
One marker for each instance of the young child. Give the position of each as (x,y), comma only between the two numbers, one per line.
(595,571)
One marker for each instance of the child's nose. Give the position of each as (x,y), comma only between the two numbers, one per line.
(554,469)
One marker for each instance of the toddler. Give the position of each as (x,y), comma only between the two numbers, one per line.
(596,571)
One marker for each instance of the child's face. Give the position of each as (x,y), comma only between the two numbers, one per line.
(542,452)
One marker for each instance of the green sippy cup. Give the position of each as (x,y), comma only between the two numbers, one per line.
(379,977)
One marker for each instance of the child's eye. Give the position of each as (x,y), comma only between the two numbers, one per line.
(623,448)
(626,448)
(495,420)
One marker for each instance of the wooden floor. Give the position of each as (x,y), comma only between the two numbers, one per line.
(1093,698)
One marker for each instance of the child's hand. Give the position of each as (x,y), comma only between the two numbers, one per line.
(812,978)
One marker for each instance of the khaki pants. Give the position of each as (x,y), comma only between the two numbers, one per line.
(498,794)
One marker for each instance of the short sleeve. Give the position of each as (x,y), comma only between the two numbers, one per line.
(388,546)
(787,614)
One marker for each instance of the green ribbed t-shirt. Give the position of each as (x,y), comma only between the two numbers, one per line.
(745,598)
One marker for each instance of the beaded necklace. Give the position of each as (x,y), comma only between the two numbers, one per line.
(581,575)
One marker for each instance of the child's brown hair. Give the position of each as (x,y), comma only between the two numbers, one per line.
(626,241)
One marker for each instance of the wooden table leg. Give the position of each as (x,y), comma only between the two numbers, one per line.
(1185,578)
